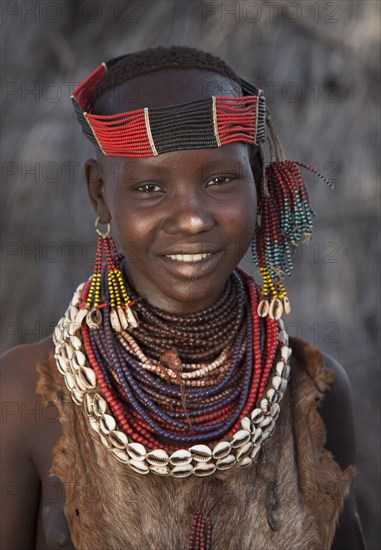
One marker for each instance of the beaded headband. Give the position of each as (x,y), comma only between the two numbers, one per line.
(145,132)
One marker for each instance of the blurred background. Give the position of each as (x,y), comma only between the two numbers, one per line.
(318,63)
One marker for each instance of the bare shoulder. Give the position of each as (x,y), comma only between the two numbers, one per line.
(25,436)
(337,413)
(20,362)
(19,376)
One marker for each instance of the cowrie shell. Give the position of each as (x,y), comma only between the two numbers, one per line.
(276,382)
(181,456)
(283,337)
(286,305)
(201,453)
(240,438)
(257,436)
(62,364)
(265,422)
(255,452)
(275,410)
(184,470)
(94,423)
(286,372)
(122,318)
(160,470)
(131,317)
(279,368)
(94,318)
(272,395)
(285,353)
(265,405)
(263,308)
(245,462)
(77,396)
(73,312)
(99,405)
(275,309)
(136,451)
(158,457)
(221,450)
(139,466)
(256,415)
(226,463)
(88,377)
(70,381)
(80,357)
(246,424)
(82,313)
(107,423)
(244,450)
(69,350)
(118,439)
(88,403)
(204,469)
(121,455)
(114,320)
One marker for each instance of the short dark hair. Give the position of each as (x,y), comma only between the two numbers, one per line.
(157,59)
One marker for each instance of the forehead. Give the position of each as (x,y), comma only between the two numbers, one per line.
(196,163)
(164,88)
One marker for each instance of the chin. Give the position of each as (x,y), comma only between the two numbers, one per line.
(191,297)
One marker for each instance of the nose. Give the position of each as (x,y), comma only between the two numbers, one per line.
(188,213)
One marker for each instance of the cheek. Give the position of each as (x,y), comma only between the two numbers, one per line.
(244,213)
(134,232)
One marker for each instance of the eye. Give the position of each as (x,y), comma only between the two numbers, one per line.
(219,180)
(150,188)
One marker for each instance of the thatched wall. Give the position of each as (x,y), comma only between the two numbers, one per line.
(318,64)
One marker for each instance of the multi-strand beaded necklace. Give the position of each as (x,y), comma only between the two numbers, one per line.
(177,394)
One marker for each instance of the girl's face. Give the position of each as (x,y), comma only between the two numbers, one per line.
(183,219)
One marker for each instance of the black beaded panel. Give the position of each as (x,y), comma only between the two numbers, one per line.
(185,126)
(86,130)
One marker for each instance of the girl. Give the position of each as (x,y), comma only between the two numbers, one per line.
(175,411)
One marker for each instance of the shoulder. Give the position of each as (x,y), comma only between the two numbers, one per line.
(18,368)
(19,377)
(327,382)
(337,413)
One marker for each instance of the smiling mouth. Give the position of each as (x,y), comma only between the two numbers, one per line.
(189,258)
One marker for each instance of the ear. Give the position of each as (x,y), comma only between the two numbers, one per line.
(95,183)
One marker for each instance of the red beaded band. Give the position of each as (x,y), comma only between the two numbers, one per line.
(144,132)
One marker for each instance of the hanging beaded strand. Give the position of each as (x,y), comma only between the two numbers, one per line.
(200,537)
(284,221)
(115,295)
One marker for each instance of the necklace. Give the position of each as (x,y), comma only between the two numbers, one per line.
(161,407)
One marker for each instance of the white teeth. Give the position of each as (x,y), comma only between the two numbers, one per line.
(189,257)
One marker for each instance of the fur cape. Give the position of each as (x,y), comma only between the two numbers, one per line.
(289,499)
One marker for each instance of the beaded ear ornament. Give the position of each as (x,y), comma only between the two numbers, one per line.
(284,214)
(118,300)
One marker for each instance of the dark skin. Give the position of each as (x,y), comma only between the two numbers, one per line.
(169,205)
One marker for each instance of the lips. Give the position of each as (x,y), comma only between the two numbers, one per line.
(191,265)
(189,257)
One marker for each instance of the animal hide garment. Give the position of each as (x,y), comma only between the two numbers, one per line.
(290,497)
